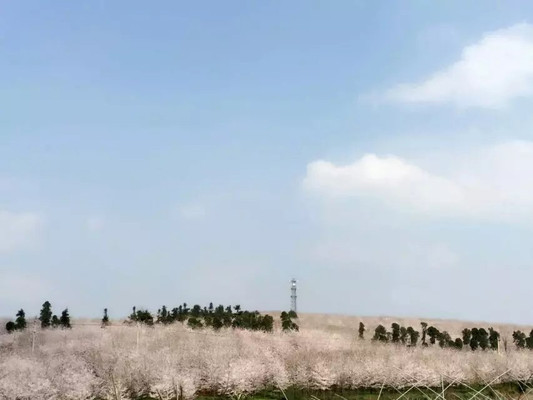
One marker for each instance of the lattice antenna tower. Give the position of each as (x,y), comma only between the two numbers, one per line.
(293,295)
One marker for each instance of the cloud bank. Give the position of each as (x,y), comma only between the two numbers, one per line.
(490,183)
(489,74)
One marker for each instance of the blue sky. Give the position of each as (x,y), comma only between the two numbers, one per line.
(379,152)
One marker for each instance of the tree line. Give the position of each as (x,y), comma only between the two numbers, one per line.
(195,317)
(216,318)
(46,317)
(475,338)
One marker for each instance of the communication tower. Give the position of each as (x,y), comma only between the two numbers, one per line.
(293,295)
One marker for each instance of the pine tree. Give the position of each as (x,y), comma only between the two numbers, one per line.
(20,321)
(64,320)
(46,315)
(361,330)
(105,319)
(55,321)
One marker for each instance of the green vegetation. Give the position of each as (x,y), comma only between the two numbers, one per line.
(19,324)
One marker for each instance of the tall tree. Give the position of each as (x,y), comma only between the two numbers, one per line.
(395,332)
(45,315)
(20,321)
(413,336)
(64,320)
(424,332)
(105,319)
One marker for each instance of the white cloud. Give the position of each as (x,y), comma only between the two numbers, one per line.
(191,211)
(95,223)
(18,230)
(491,183)
(489,73)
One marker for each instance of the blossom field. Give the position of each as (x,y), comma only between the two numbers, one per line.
(168,362)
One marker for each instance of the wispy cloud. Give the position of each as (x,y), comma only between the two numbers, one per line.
(489,74)
(492,183)
(18,230)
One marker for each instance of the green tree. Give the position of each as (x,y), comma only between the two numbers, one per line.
(433,334)
(380,334)
(194,323)
(458,344)
(45,315)
(413,336)
(361,330)
(519,339)
(292,314)
(55,321)
(474,340)
(395,332)
(64,320)
(20,321)
(424,333)
(286,323)
(445,339)
(105,319)
(529,341)
(467,335)
(483,338)
(403,334)
(494,339)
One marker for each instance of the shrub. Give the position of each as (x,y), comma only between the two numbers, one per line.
(361,330)
(11,327)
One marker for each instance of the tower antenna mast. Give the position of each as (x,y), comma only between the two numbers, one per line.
(293,295)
